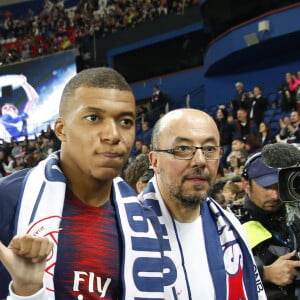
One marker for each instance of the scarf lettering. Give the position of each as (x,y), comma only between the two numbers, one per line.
(233,260)
(146,270)
(259,283)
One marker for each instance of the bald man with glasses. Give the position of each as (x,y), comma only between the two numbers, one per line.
(207,242)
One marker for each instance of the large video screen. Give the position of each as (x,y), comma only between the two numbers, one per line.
(30,94)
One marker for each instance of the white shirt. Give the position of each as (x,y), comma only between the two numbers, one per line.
(195,259)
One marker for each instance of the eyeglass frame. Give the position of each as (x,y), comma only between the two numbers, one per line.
(171,151)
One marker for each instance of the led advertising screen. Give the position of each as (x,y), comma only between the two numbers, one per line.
(30,94)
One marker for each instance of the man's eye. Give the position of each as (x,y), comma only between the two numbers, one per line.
(209,148)
(127,122)
(183,148)
(92,118)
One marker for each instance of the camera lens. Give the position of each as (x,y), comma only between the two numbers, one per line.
(294,184)
(289,184)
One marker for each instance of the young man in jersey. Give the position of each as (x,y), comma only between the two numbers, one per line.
(69,227)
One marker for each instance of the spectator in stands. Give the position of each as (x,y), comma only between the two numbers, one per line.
(234,196)
(7,147)
(225,131)
(49,133)
(163,8)
(294,85)
(288,97)
(9,165)
(239,100)
(217,194)
(243,126)
(146,149)
(257,105)
(176,8)
(143,180)
(156,101)
(31,146)
(236,144)
(252,144)
(142,114)
(146,133)
(265,134)
(290,129)
(237,160)
(138,173)
(16,150)
(46,147)
(137,150)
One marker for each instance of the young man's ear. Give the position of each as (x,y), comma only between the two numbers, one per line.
(59,128)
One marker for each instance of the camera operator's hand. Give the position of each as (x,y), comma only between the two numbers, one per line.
(283,271)
(25,259)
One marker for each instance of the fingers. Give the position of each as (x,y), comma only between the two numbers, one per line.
(2,249)
(35,248)
(289,255)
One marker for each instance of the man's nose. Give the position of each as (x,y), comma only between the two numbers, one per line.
(110,132)
(199,158)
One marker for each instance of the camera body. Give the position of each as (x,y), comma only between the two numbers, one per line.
(289,184)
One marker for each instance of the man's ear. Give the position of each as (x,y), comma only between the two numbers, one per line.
(59,128)
(154,162)
(246,185)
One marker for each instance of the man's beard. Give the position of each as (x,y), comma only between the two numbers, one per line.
(190,201)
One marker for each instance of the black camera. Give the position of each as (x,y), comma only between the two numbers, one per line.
(289,184)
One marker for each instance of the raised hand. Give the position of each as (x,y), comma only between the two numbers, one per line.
(25,259)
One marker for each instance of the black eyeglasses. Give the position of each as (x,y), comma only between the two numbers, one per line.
(188,152)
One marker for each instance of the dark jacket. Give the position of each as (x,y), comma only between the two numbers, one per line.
(241,131)
(259,106)
(225,131)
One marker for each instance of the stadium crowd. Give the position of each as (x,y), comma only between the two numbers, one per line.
(57,28)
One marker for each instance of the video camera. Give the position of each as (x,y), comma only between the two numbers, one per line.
(289,184)
(285,157)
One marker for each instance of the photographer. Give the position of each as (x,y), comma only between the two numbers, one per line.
(274,242)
